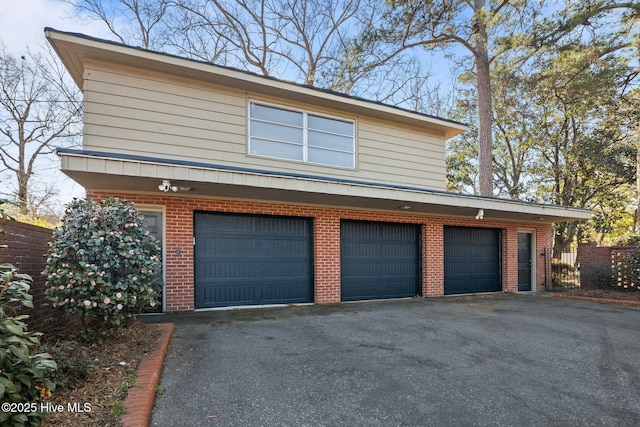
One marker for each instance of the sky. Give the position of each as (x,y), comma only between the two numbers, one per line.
(22,24)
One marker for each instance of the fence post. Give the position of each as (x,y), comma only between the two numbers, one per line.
(547,269)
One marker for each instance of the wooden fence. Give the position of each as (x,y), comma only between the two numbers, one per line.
(24,246)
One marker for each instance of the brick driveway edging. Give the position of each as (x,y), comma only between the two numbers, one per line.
(139,401)
(600,300)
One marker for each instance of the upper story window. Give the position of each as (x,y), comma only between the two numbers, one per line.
(300,136)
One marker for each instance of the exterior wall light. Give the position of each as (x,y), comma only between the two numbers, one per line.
(480,214)
(166,186)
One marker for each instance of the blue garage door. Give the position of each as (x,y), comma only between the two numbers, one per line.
(252,259)
(471,260)
(379,260)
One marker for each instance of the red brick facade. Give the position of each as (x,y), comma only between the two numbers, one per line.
(179,237)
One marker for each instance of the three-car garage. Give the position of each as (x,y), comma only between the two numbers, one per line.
(247,259)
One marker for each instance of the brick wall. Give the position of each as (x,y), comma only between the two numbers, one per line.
(179,238)
(590,255)
(26,247)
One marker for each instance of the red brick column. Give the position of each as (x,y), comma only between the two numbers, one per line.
(326,252)
(180,289)
(510,259)
(432,259)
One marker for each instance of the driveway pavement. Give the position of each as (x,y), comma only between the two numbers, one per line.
(505,360)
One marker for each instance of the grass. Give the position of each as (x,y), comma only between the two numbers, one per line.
(118,409)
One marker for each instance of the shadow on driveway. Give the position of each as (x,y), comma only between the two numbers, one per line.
(501,360)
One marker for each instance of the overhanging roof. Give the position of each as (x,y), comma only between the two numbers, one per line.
(99,171)
(75,50)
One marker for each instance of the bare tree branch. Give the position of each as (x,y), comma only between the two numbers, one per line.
(37,109)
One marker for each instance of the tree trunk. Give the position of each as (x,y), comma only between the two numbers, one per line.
(23,192)
(485,111)
(564,233)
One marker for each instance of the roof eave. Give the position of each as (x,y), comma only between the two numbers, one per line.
(76,49)
(108,172)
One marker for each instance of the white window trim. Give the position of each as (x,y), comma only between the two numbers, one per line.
(305,131)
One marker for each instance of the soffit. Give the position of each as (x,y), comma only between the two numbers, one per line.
(134,176)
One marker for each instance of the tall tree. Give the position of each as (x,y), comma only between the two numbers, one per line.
(622,18)
(515,127)
(299,38)
(585,149)
(133,22)
(38,108)
(483,28)
(514,134)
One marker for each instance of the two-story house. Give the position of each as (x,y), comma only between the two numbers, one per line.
(269,192)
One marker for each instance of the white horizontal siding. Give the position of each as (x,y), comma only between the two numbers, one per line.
(401,154)
(149,114)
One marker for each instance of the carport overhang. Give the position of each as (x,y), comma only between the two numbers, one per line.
(119,173)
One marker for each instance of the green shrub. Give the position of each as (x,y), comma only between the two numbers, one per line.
(23,375)
(560,267)
(102,265)
(74,363)
(634,267)
(601,275)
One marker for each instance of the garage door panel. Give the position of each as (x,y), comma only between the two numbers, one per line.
(228,246)
(472,260)
(228,224)
(272,294)
(279,270)
(251,259)
(228,270)
(281,226)
(379,260)
(357,268)
(241,294)
(287,248)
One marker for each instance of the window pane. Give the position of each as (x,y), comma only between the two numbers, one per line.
(327,140)
(281,150)
(333,158)
(330,125)
(276,115)
(276,131)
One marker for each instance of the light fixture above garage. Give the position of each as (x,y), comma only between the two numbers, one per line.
(404,207)
(166,186)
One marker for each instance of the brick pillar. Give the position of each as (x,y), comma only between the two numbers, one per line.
(179,258)
(326,242)
(589,254)
(432,259)
(543,266)
(510,259)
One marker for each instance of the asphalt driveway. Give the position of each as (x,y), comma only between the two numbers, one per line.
(503,360)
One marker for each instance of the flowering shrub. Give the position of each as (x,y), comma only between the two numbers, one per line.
(102,266)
